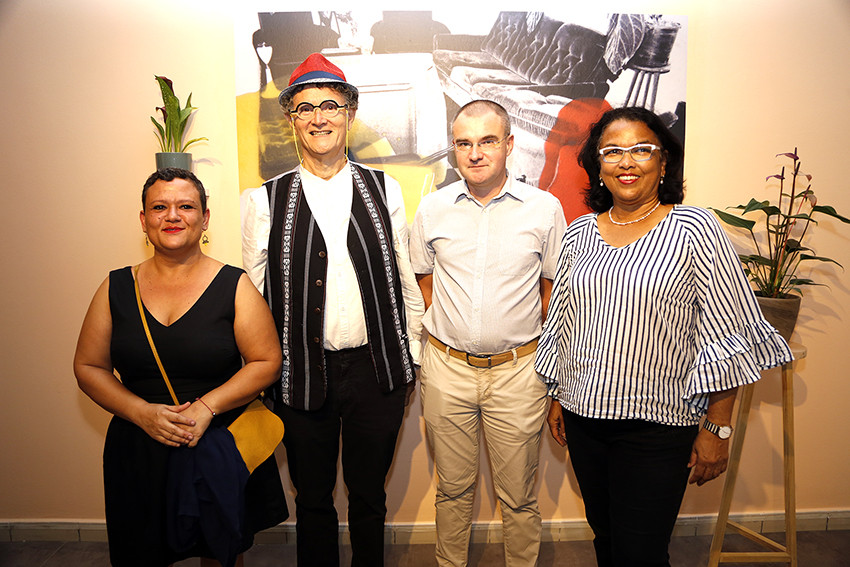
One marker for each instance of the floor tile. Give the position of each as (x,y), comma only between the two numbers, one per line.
(27,553)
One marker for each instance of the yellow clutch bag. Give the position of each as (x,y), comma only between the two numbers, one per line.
(257,431)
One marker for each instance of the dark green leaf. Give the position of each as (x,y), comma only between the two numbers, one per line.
(793,245)
(763,206)
(734,220)
(802,281)
(820,259)
(755,259)
(827,210)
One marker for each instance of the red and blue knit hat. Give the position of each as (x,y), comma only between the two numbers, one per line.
(315,69)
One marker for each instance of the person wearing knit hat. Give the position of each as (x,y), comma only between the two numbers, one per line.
(326,243)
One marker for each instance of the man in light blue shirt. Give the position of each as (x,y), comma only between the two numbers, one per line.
(485,250)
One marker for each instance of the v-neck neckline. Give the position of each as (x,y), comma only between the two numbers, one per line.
(191,307)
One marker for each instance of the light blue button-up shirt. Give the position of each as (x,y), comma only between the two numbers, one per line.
(486,262)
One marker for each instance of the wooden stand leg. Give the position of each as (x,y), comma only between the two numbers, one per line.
(789,461)
(778,553)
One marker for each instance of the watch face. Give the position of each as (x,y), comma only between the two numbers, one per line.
(724,432)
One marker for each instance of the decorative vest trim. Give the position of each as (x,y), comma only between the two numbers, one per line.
(295,278)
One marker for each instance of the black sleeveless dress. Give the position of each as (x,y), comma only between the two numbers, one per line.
(199,353)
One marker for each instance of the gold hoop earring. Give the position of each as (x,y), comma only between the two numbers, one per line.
(205,239)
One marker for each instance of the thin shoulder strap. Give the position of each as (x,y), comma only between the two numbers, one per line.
(150,339)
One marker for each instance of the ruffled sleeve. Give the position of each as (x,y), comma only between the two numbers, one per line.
(733,341)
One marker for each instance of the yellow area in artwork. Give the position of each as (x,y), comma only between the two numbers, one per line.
(247,119)
(416,180)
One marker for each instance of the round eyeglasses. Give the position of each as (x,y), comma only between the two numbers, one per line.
(638,152)
(328,108)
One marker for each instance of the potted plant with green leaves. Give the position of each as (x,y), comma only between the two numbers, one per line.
(779,251)
(172,130)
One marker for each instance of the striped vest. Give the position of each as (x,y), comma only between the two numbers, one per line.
(295,278)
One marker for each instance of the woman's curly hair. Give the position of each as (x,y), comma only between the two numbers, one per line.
(672,191)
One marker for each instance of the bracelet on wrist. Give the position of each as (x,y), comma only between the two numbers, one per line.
(205,405)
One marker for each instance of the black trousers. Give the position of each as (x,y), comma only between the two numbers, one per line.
(632,475)
(368,420)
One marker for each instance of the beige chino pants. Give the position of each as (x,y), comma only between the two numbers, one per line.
(509,403)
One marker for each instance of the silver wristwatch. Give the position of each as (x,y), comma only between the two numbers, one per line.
(722,431)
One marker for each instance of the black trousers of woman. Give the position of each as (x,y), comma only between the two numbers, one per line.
(632,475)
(368,421)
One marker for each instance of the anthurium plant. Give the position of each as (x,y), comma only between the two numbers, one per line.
(772,269)
(173,128)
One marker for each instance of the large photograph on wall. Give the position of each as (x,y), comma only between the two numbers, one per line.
(554,72)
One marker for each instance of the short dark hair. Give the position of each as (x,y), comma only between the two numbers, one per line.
(672,191)
(481,106)
(170,174)
(349,94)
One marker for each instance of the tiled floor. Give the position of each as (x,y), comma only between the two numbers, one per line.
(815,549)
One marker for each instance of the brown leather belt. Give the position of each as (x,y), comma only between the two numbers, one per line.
(485,360)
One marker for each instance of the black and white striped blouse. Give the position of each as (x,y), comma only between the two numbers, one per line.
(649,330)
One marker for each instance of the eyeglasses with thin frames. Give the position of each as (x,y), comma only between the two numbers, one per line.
(485,146)
(328,108)
(638,152)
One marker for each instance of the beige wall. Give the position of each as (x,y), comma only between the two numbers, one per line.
(763,77)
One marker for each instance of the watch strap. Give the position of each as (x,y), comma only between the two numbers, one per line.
(716,429)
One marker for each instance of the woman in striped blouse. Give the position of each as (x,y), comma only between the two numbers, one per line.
(651,327)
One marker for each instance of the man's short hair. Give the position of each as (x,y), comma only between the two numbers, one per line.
(481,107)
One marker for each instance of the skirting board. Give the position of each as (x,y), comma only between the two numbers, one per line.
(424,533)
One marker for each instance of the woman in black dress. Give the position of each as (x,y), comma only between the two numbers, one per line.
(205,318)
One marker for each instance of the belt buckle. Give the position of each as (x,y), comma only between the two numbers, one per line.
(488,357)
